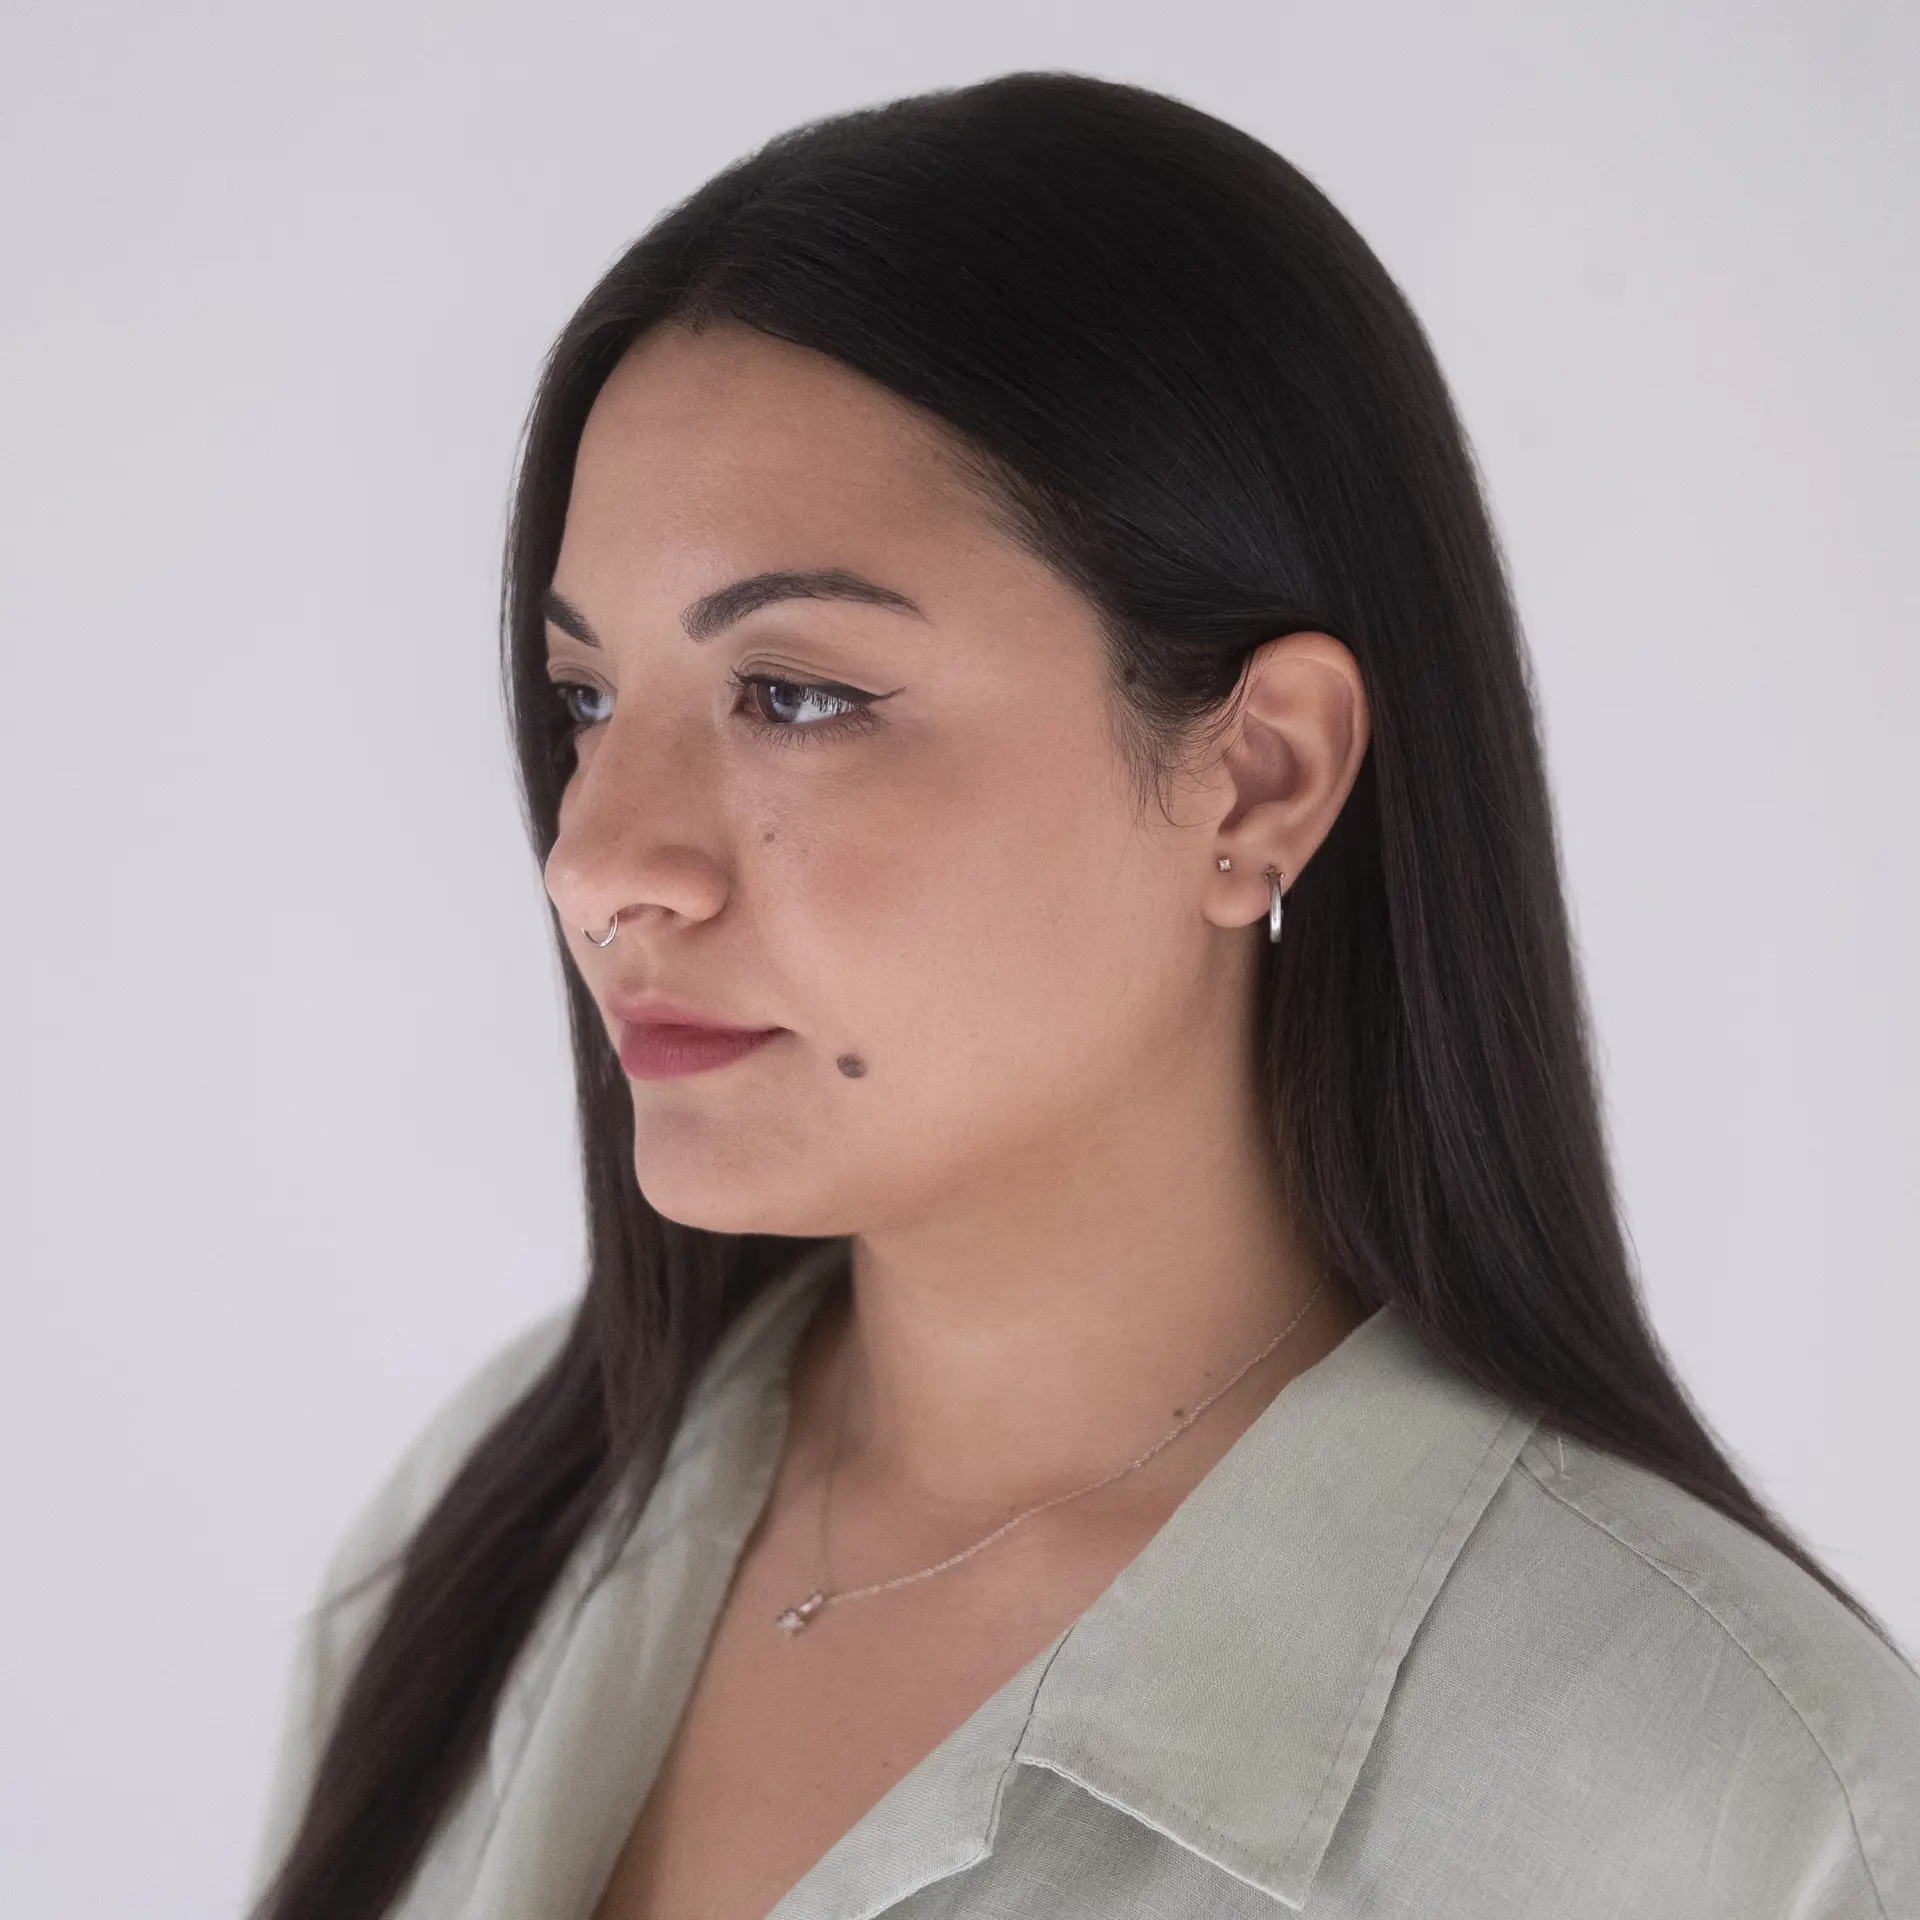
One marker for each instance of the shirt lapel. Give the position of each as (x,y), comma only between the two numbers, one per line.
(937,1819)
(594,1703)
(1227,1685)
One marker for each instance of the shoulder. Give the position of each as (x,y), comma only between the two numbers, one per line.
(1686,1577)
(437,1452)
(357,1577)
(1670,1676)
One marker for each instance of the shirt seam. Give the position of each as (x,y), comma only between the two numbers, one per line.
(1409,1603)
(1672,1575)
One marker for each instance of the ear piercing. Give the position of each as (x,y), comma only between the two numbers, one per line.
(1276,882)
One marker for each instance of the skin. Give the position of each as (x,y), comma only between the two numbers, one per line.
(1065,1221)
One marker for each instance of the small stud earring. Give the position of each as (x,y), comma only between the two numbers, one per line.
(1226,866)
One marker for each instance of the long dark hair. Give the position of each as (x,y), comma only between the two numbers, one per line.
(1197,394)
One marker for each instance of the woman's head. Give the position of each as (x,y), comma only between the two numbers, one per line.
(853,762)
(1143,416)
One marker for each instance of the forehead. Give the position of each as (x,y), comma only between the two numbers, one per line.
(727,439)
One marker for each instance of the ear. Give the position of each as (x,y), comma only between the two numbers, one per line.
(1284,768)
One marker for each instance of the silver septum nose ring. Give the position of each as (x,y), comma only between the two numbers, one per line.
(608,941)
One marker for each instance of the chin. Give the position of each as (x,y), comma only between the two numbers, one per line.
(725,1200)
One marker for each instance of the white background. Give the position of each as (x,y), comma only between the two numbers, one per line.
(288,1139)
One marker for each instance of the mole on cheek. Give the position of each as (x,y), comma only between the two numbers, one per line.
(851,1065)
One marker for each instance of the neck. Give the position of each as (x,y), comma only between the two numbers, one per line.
(1064,1322)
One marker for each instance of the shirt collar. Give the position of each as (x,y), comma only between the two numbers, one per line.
(1223,1690)
(1226,1687)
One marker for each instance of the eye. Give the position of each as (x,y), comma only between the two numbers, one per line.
(798,710)
(583,704)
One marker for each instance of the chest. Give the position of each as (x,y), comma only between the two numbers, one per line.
(787,1740)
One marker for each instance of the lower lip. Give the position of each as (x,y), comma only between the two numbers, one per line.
(665,1053)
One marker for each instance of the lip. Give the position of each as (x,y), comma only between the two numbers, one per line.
(660,1039)
(666,1053)
(656,1010)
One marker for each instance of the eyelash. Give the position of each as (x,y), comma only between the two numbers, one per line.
(787,733)
(794,734)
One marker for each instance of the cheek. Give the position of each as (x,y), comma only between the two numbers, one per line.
(966,937)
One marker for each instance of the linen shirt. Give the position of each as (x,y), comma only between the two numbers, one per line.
(1402,1652)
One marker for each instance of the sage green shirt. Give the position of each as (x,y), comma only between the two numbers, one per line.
(1400,1654)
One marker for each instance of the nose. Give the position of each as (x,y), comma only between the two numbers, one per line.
(637,839)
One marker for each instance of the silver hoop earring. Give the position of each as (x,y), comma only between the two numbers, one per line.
(1275,882)
(611,931)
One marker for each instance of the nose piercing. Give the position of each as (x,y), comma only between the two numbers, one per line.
(612,929)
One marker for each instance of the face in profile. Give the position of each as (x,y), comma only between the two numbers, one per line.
(880,808)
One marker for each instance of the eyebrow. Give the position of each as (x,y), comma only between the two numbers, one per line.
(721,608)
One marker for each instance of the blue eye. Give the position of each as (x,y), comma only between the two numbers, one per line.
(792,711)
(800,710)
(584,705)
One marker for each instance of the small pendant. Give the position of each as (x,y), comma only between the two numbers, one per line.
(794,1618)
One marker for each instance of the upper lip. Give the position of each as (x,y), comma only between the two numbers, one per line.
(656,1010)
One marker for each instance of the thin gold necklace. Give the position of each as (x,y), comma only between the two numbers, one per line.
(792,1619)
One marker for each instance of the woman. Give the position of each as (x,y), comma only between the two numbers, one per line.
(1109,1381)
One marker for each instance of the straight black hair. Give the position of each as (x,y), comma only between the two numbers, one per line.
(1198,395)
